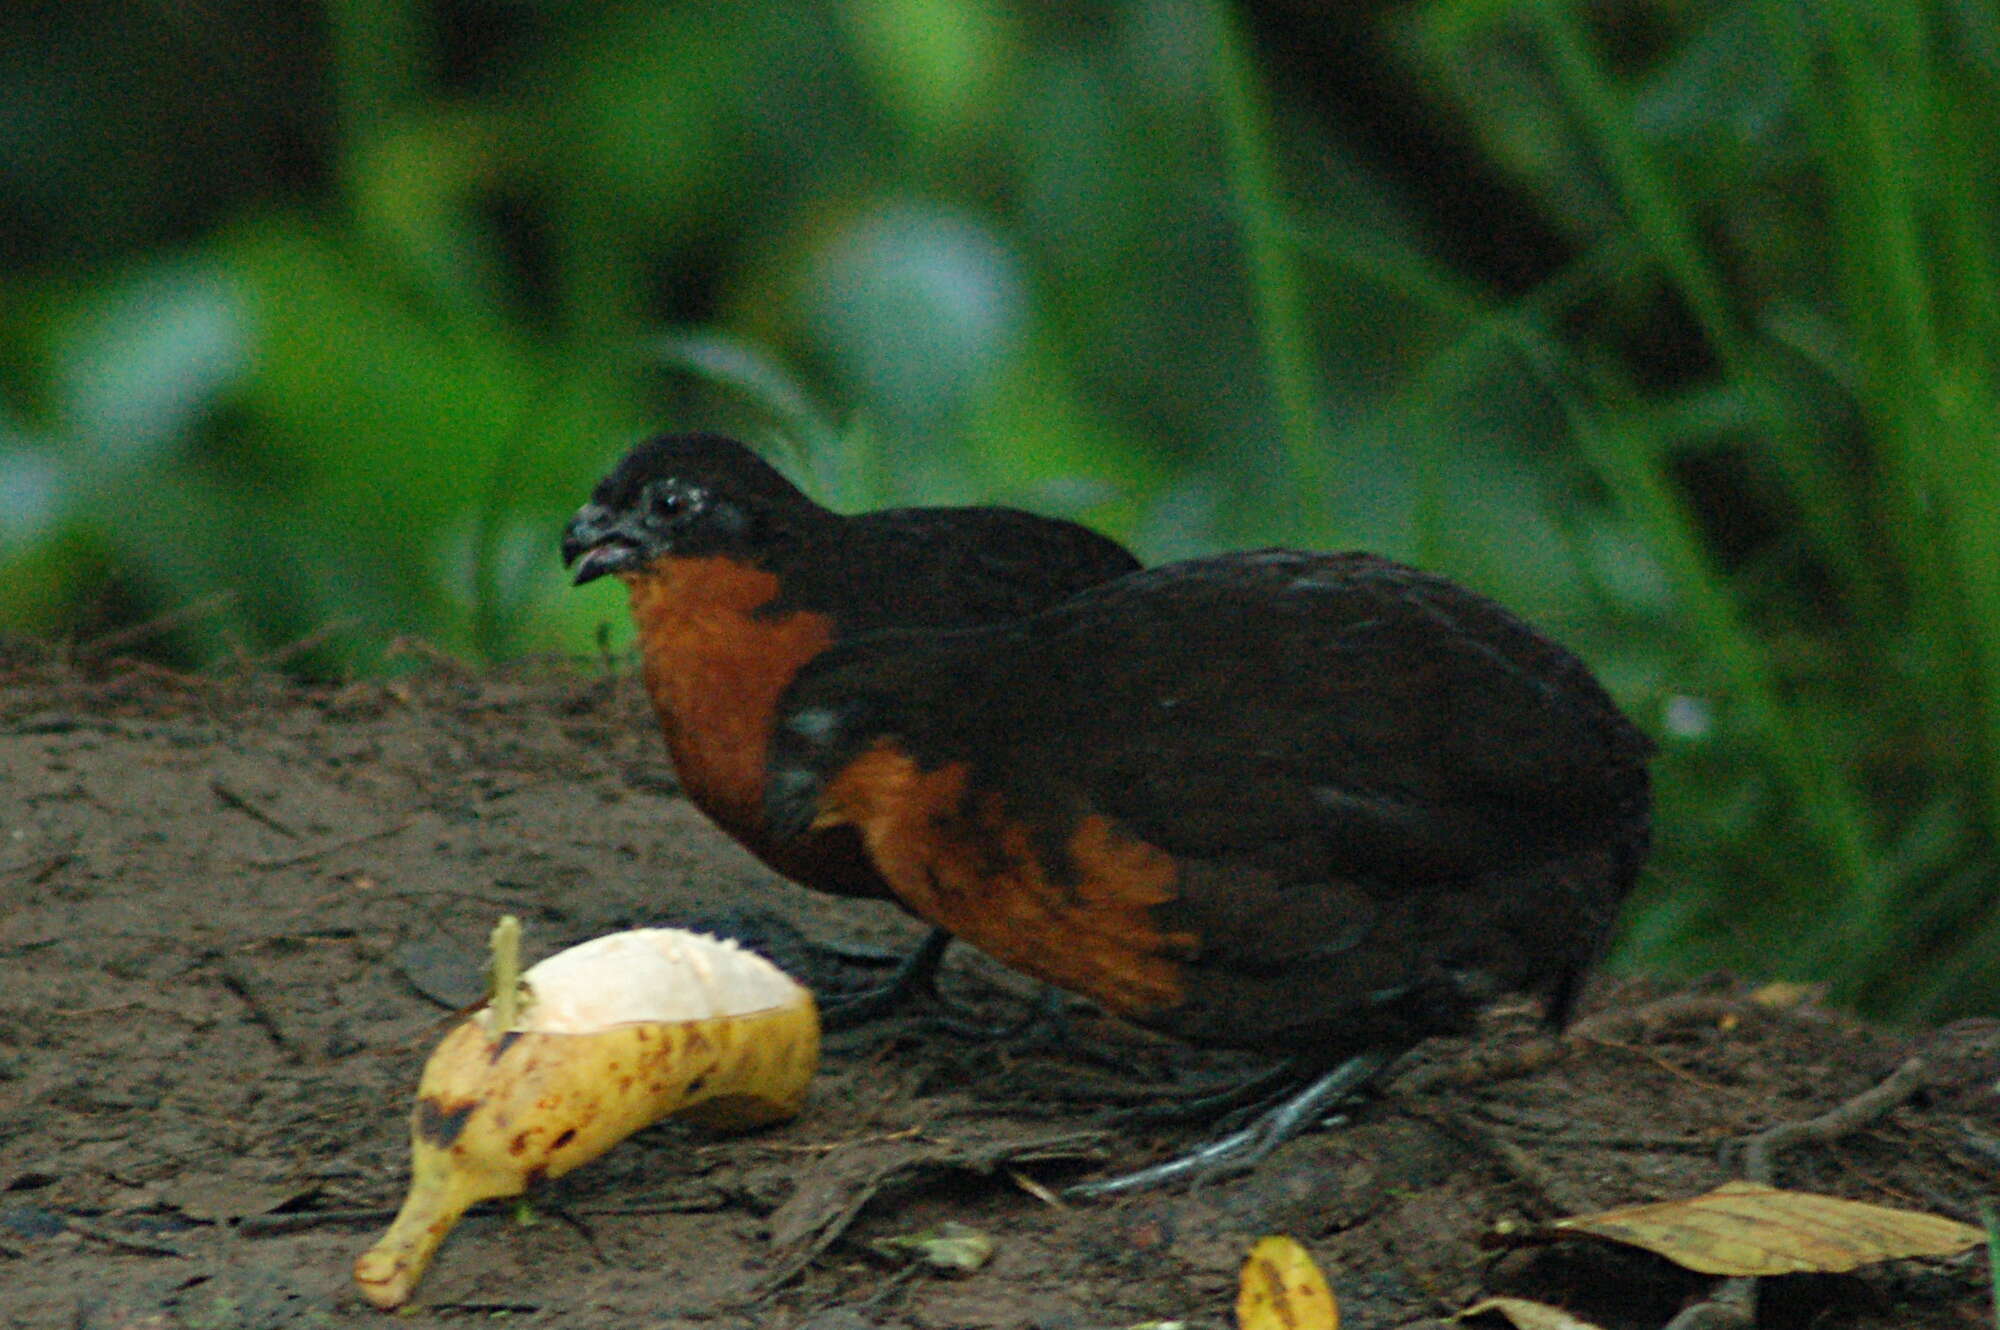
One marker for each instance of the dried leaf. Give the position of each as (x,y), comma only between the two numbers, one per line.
(829,1195)
(955,1249)
(1527,1315)
(1744,1228)
(1283,1290)
(1780,995)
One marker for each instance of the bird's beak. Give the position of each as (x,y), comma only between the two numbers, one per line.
(792,805)
(596,544)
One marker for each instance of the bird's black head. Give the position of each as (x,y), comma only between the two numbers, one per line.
(687,495)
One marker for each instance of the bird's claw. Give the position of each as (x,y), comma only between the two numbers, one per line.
(1248,1146)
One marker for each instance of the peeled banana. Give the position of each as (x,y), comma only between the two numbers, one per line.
(610,1036)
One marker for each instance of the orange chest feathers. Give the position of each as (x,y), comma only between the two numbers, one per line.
(714,668)
(953,856)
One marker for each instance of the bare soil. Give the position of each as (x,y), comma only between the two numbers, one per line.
(236,913)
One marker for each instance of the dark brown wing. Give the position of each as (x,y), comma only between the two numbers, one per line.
(1338,707)
(1386,798)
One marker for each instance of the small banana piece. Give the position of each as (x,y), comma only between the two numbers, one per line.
(613,1035)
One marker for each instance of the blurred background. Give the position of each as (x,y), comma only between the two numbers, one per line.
(1671,324)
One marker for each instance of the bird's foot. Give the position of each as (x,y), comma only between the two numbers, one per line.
(914,982)
(1244,1095)
(914,978)
(1244,1148)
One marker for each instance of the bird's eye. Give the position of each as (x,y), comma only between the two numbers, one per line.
(816,725)
(668,501)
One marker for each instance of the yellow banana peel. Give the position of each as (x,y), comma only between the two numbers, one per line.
(616,1034)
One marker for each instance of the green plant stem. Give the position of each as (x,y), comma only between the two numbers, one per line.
(1634,470)
(1832,518)
(377,60)
(1631,472)
(1277,292)
(1917,302)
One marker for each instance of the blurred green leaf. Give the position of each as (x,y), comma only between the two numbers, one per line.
(36,490)
(417,190)
(389,413)
(918,307)
(938,62)
(146,356)
(647,108)
(752,371)
(1039,441)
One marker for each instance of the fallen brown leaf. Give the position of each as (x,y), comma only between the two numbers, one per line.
(1745,1228)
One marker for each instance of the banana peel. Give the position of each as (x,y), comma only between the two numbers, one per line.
(615,1035)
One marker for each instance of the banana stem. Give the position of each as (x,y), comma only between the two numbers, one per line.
(505,968)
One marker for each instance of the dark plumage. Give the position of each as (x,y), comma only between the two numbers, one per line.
(1311,803)
(736,579)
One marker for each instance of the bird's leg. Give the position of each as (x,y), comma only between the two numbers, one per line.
(916,975)
(1244,1148)
(1248,1093)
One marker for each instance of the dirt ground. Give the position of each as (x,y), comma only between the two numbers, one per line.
(235,915)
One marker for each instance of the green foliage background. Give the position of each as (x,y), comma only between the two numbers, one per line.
(1672,324)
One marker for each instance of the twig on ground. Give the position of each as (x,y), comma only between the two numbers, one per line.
(129,1241)
(406,646)
(1542,1183)
(1868,1107)
(243,805)
(703,1203)
(245,664)
(578,1224)
(193,612)
(1482,1067)
(56,862)
(321,851)
(289,1221)
(1583,1134)
(891,1287)
(1037,1190)
(239,979)
(1652,1018)
(823,1147)
(1647,1054)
